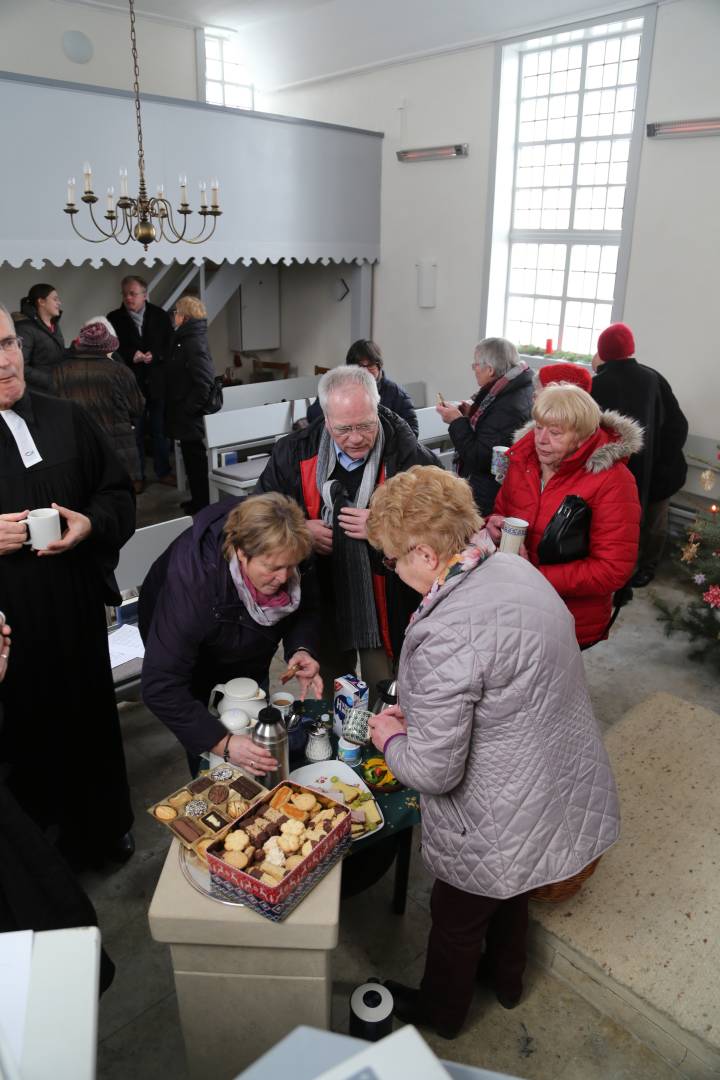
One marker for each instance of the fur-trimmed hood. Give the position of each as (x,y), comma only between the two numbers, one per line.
(624,436)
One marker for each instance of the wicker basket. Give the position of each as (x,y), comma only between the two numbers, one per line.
(563,890)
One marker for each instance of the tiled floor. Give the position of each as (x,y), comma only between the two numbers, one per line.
(552,1035)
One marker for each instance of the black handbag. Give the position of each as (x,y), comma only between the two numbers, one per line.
(567,534)
(214,402)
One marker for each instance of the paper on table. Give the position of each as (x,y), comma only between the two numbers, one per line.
(125,644)
(404,1053)
(15,964)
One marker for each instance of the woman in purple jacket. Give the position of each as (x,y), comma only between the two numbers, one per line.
(216,605)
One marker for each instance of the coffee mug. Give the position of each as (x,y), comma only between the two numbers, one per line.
(282,701)
(355,726)
(499,463)
(43,528)
(512,535)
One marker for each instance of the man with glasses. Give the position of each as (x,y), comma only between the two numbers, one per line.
(367,354)
(144,331)
(332,468)
(60,744)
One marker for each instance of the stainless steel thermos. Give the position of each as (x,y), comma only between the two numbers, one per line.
(270,733)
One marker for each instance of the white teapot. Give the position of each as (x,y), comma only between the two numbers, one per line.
(238,694)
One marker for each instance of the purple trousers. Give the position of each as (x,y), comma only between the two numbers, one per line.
(461,923)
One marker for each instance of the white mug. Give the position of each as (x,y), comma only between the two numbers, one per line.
(499,463)
(283,701)
(43,528)
(512,534)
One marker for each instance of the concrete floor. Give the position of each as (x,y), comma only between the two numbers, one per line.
(553,1034)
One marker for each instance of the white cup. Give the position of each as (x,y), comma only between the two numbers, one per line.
(43,528)
(283,701)
(512,534)
(499,463)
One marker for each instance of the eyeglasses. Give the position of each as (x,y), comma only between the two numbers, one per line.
(9,343)
(341,430)
(371,364)
(390,562)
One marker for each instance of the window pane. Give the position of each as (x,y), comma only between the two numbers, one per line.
(213,69)
(212,48)
(238,97)
(214,93)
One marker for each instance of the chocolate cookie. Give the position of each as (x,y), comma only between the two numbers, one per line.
(201,784)
(218,793)
(246,787)
(196,808)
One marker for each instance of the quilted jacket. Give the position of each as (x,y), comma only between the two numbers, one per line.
(598,474)
(516,787)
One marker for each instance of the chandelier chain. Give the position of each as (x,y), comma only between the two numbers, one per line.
(136,92)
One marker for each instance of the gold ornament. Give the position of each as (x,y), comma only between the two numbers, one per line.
(689,553)
(707,479)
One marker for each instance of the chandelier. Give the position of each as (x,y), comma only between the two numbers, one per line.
(145,218)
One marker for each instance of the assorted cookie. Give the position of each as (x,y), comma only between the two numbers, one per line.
(199,813)
(276,835)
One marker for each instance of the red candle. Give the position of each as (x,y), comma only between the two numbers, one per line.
(548,347)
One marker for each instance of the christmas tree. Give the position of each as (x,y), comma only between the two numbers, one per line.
(700,562)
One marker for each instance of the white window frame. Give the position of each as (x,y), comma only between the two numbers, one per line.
(502,170)
(200,36)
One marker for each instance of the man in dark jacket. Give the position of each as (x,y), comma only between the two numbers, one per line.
(367,354)
(501,406)
(332,468)
(621,383)
(144,332)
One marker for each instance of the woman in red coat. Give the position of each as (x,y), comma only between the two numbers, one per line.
(574,449)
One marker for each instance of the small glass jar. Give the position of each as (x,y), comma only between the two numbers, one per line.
(318,746)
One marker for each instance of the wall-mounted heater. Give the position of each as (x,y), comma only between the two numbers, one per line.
(435,153)
(669,128)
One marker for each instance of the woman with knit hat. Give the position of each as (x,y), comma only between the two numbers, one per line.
(623,384)
(105,387)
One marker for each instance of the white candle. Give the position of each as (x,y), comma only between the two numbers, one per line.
(161,191)
(71,191)
(87,176)
(123,183)
(203,195)
(214,192)
(110,200)
(183,188)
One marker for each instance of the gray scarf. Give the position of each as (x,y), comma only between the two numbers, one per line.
(355,612)
(265,616)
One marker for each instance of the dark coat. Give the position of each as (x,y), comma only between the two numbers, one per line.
(190,376)
(110,394)
(155,338)
(291,471)
(392,396)
(42,348)
(642,393)
(197,632)
(509,410)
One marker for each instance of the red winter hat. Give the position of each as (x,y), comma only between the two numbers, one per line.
(616,343)
(565,372)
(96,337)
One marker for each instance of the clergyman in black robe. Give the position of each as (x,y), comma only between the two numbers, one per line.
(60,745)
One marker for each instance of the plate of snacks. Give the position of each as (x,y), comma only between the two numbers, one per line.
(206,806)
(274,854)
(341,783)
(377,775)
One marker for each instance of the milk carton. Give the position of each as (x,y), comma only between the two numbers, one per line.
(350,693)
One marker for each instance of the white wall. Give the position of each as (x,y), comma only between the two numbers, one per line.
(438,209)
(31,34)
(434,210)
(674,279)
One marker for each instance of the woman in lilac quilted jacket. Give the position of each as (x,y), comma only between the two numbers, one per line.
(495,729)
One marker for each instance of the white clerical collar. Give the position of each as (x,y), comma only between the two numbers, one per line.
(24,441)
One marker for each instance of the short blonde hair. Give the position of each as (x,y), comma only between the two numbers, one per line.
(425,505)
(264,524)
(569,407)
(191,307)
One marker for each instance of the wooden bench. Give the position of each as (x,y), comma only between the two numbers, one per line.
(251,434)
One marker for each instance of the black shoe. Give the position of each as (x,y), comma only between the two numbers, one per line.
(642,578)
(406,1006)
(508,1001)
(122,850)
